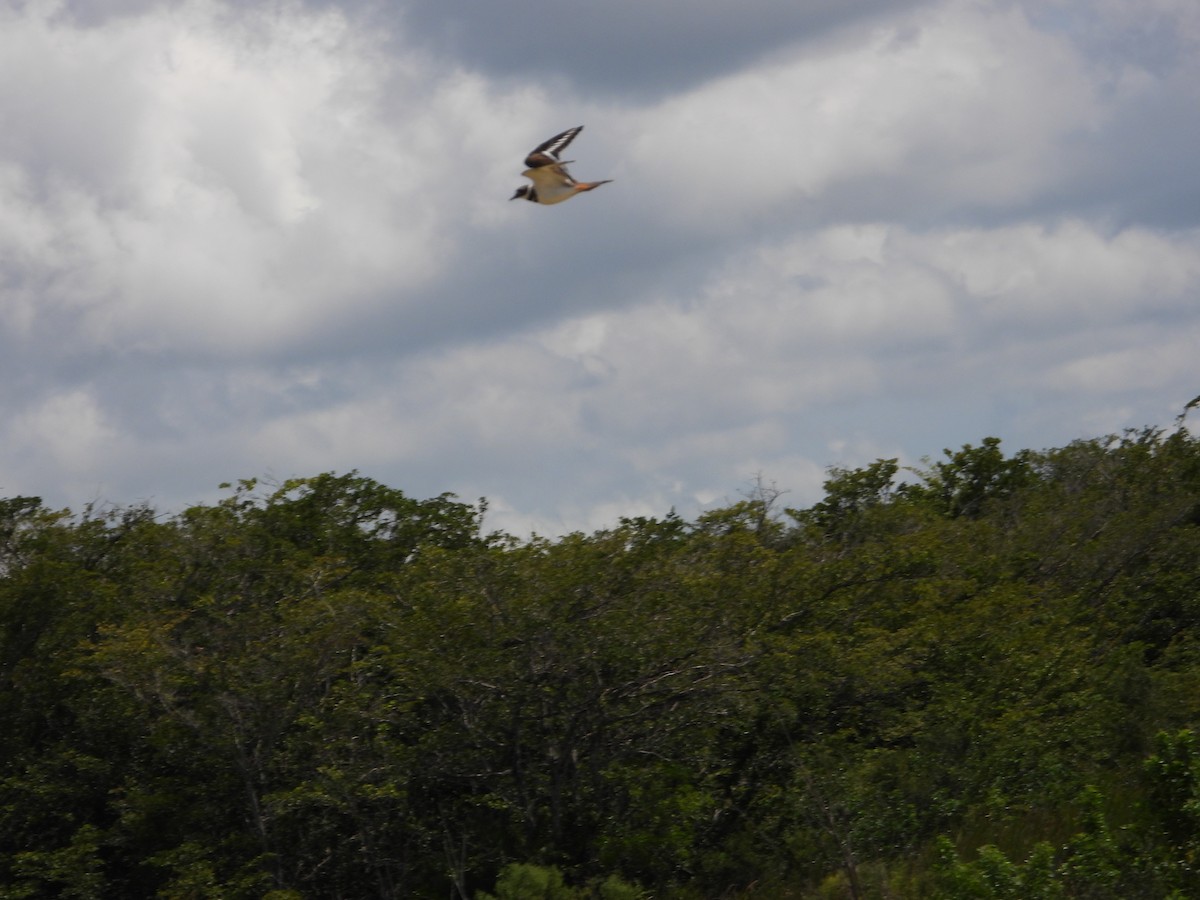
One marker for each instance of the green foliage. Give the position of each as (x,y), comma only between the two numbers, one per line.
(522,881)
(1093,863)
(974,478)
(992,876)
(851,495)
(1174,795)
(72,871)
(526,882)
(328,688)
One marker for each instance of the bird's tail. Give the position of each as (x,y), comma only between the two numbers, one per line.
(591,185)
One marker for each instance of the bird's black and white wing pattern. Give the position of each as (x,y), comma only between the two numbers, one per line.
(546,154)
(552,183)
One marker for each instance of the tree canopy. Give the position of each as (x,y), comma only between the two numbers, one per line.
(978,679)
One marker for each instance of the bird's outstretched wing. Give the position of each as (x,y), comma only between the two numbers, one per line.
(546,154)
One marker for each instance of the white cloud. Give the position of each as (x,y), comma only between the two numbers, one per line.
(962,105)
(1070,273)
(1154,363)
(238,240)
(68,431)
(227,182)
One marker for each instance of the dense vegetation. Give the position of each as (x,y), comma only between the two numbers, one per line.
(981,679)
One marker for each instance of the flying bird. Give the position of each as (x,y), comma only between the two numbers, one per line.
(551,181)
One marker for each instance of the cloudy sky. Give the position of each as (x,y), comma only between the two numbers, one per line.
(274,239)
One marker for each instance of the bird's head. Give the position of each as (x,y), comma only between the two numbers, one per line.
(522,191)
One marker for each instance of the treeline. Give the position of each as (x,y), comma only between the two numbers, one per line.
(980,679)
